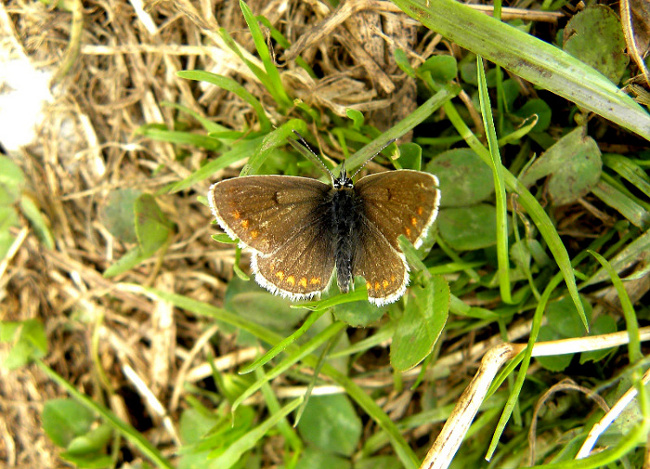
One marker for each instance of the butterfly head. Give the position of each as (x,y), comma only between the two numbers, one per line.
(343,181)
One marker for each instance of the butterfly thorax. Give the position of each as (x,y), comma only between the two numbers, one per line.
(345,212)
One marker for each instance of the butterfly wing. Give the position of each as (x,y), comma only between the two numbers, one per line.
(380,264)
(284,221)
(265,211)
(400,202)
(302,266)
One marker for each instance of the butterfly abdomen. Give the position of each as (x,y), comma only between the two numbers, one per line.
(345,206)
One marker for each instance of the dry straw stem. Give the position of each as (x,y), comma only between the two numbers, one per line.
(444,448)
(604,423)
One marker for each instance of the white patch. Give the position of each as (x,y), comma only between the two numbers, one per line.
(25,92)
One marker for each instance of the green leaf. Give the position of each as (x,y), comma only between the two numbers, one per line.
(236,450)
(356,117)
(194,424)
(116,214)
(313,458)
(602,325)
(410,156)
(132,258)
(37,220)
(151,225)
(331,423)
(12,181)
(420,326)
(250,301)
(443,68)
(563,322)
(575,164)
(358,313)
(468,228)
(554,363)
(539,108)
(452,167)
(595,36)
(65,419)
(92,442)
(402,61)
(29,345)
(8,219)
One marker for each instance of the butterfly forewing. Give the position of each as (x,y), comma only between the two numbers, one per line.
(265,211)
(384,268)
(302,266)
(400,202)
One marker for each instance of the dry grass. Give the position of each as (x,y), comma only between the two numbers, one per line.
(87,147)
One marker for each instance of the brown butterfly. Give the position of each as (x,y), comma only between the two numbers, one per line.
(300,229)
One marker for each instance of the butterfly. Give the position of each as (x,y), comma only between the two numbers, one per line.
(301,230)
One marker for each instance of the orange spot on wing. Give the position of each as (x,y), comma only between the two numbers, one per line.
(236,214)
(255,234)
(420,210)
(303,282)
(414,221)
(385,284)
(392,278)
(245,224)
(280,274)
(369,285)
(377,285)
(291,279)
(315,280)
(407,230)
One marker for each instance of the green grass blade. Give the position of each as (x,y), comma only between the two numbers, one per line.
(271,141)
(634,346)
(626,206)
(276,88)
(249,440)
(532,207)
(537,61)
(408,123)
(525,363)
(293,357)
(499,187)
(636,250)
(280,347)
(242,150)
(230,85)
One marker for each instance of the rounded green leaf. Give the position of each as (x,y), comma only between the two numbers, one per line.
(331,423)
(468,228)
(464,178)
(117,214)
(595,36)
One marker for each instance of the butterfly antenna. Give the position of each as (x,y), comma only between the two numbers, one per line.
(310,154)
(373,157)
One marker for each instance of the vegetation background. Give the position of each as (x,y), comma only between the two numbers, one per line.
(129,335)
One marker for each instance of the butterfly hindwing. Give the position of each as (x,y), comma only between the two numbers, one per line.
(264,211)
(380,264)
(400,202)
(302,266)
